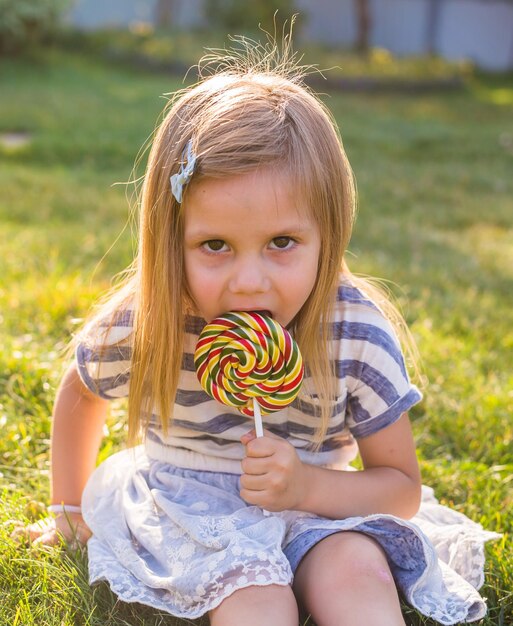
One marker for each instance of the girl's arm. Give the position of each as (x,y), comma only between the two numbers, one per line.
(275,478)
(390,482)
(77,428)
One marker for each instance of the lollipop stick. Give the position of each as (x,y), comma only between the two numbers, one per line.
(259,431)
(258,418)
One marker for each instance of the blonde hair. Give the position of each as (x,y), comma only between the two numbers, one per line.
(253,111)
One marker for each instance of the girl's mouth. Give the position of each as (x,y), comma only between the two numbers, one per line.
(265,312)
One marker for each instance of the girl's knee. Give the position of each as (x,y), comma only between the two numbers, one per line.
(346,580)
(345,562)
(362,560)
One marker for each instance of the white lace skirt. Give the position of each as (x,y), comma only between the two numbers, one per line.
(182,540)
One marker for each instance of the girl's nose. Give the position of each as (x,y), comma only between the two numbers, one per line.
(249,277)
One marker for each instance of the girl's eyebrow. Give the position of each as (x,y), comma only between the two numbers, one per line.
(202,233)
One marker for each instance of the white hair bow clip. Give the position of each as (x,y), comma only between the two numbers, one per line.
(184,175)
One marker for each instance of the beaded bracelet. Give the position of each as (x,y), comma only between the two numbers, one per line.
(64,508)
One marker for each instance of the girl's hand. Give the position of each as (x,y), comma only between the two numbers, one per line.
(274,477)
(50,531)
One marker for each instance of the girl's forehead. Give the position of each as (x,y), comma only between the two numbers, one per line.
(272,185)
(262,191)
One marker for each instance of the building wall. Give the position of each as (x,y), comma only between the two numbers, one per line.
(330,21)
(90,14)
(481,31)
(400,25)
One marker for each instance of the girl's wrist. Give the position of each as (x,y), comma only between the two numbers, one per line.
(305,488)
(64,508)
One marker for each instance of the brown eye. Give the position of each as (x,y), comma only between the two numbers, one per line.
(282,243)
(214,245)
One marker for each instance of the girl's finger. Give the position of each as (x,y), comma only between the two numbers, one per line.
(257,498)
(256,466)
(247,437)
(48,539)
(40,528)
(261,447)
(254,483)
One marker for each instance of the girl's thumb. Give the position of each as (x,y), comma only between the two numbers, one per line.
(247,437)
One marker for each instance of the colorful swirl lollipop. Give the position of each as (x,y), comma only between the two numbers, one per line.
(249,361)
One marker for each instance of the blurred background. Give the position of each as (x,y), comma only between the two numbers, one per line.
(480,31)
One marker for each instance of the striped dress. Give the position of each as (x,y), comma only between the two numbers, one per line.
(373,390)
(170,529)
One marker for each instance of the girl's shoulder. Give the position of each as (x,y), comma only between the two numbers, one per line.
(349,294)
(361,324)
(353,304)
(111,325)
(114,324)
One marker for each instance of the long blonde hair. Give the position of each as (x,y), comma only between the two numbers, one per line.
(253,111)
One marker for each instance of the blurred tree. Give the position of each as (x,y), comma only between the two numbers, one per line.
(240,17)
(25,23)
(164,13)
(433,25)
(363,22)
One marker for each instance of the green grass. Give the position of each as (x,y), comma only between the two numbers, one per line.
(436,218)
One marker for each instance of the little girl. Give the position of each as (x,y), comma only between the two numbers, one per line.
(247,205)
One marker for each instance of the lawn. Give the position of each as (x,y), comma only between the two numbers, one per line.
(436,220)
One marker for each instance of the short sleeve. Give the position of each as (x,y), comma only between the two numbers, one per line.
(103,356)
(379,390)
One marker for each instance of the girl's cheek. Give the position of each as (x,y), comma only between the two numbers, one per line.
(285,259)
(211,260)
(203,265)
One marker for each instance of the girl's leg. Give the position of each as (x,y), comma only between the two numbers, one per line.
(272,605)
(345,580)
